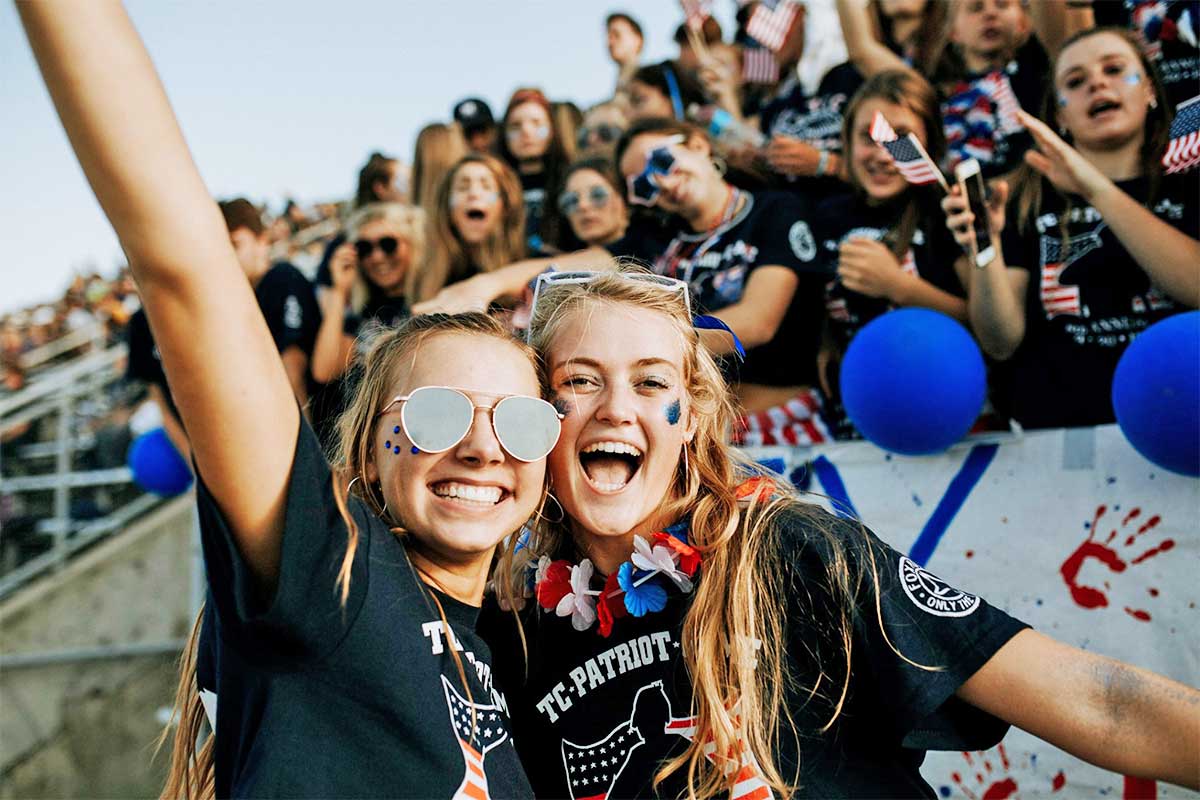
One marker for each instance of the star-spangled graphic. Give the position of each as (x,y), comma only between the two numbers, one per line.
(591,776)
(475,738)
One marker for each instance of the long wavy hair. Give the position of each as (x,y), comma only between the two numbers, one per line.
(439,147)
(736,683)
(1029,187)
(190,774)
(449,258)
(907,90)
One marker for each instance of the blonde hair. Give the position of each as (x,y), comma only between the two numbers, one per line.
(736,682)
(449,259)
(439,147)
(190,774)
(409,225)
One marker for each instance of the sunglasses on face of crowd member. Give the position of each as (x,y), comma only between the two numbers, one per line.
(603,134)
(436,418)
(643,187)
(570,202)
(388,244)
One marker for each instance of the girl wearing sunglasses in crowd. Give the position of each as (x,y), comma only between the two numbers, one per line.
(593,202)
(749,258)
(533,146)
(1096,243)
(885,244)
(690,632)
(345,596)
(479,226)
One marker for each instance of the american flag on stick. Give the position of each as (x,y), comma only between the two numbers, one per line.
(759,66)
(1183,150)
(771,21)
(907,154)
(478,728)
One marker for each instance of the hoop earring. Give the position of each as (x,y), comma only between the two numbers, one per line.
(687,470)
(562,513)
(720,166)
(350,485)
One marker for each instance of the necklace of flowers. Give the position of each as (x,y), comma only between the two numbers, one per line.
(638,587)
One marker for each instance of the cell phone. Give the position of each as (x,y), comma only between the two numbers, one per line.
(970,180)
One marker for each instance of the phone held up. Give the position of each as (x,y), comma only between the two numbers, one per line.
(970,182)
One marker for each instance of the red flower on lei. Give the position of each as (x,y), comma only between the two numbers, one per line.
(611,606)
(555,585)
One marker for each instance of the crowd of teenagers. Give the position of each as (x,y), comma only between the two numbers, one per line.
(444,560)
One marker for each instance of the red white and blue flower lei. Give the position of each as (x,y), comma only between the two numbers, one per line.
(638,587)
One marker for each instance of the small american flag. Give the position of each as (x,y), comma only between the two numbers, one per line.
(479,728)
(1000,90)
(771,21)
(1183,151)
(907,154)
(759,66)
(592,769)
(696,11)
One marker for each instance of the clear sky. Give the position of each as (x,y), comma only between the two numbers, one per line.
(288,98)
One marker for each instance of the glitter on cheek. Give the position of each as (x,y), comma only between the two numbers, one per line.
(673,413)
(414,450)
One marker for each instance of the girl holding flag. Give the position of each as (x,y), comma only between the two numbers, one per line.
(886,242)
(345,596)
(1096,242)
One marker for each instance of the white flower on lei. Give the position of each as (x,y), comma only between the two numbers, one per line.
(660,559)
(578,603)
(539,573)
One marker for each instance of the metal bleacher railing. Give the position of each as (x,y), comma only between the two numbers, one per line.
(41,474)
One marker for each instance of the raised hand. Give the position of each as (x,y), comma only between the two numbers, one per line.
(789,156)
(343,268)
(1062,164)
(961,221)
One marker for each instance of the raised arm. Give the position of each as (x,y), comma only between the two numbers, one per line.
(217,352)
(862,45)
(1055,21)
(474,294)
(1110,714)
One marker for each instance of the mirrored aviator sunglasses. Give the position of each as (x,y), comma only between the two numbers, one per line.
(436,418)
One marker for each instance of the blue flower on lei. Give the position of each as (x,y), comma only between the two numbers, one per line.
(640,599)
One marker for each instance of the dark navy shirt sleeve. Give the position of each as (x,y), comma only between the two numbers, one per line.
(304,618)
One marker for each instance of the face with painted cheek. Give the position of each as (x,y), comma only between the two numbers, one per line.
(528,131)
(617,374)
(1103,92)
(475,205)
(986,29)
(871,168)
(459,504)
(386,272)
(692,180)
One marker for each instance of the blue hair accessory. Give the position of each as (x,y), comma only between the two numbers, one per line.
(705,322)
(673,90)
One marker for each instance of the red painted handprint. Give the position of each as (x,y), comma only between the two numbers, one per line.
(1114,552)
(990,782)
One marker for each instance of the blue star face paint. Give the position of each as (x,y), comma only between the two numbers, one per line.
(1062,101)
(561,406)
(672,412)
(414,450)
(1133,78)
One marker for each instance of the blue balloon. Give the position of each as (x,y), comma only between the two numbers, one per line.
(1156,393)
(913,381)
(157,466)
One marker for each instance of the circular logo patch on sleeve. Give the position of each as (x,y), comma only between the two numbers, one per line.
(801,239)
(933,595)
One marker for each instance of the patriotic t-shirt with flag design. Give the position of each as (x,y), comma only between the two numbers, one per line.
(930,255)
(365,699)
(595,717)
(769,229)
(1168,31)
(1086,301)
(978,112)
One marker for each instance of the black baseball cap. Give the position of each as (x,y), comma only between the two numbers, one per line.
(473,114)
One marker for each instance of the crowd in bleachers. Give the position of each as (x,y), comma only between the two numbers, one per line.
(749,167)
